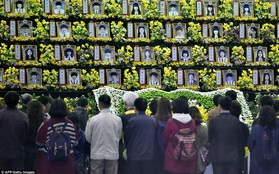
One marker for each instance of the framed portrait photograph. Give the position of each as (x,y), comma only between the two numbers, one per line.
(34,76)
(113,76)
(25,28)
(229,77)
(179,30)
(108,53)
(64,29)
(19,6)
(173,8)
(246,9)
(252,31)
(102,29)
(1,75)
(58,7)
(141,30)
(73,76)
(216,30)
(69,52)
(191,77)
(153,77)
(210,8)
(222,54)
(29,52)
(184,54)
(135,8)
(266,77)
(260,54)
(96,7)
(147,54)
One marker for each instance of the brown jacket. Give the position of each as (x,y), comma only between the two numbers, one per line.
(211,114)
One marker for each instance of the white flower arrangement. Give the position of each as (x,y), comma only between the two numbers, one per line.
(116,97)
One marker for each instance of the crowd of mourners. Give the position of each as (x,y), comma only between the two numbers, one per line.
(44,136)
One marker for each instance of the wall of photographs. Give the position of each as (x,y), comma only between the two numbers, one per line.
(61,41)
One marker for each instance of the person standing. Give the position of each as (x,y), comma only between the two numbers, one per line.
(263,143)
(103,131)
(46,101)
(180,120)
(25,99)
(140,140)
(13,128)
(216,111)
(224,139)
(80,110)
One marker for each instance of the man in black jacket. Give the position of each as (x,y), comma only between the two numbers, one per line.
(224,139)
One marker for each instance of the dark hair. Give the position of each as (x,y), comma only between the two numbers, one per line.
(185,51)
(195,114)
(269,79)
(260,51)
(180,105)
(113,74)
(25,98)
(82,102)
(133,8)
(73,116)
(141,104)
(58,3)
(154,74)
(212,9)
(232,94)
(216,99)
(235,109)
(246,6)
(276,106)
(223,52)
(35,112)
(219,35)
(73,74)
(64,26)
(178,28)
(34,73)
(225,102)
(153,106)
(184,98)
(266,101)
(25,26)
(104,100)
(163,111)
(58,109)
(11,98)
(20,2)
(144,33)
(107,51)
(44,100)
(102,26)
(267,117)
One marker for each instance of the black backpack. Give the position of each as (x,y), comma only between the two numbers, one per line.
(59,145)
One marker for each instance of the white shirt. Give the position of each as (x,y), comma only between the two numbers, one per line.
(103,132)
(179,37)
(56,11)
(222,59)
(230,82)
(74,82)
(67,34)
(69,58)
(174,13)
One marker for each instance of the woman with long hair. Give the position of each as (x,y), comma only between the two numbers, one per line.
(36,113)
(201,136)
(163,114)
(263,143)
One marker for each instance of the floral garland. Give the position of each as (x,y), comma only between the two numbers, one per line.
(50,78)
(47,55)
(157,31)
(238,55)
(11,77)
(225,10)
(75,8)
(267,32)
(208,79)
(113,8)
(151,9)
(188,10)
(203,98)
(231,33)
(245,80)
(118,31)
(262,9)
(194,32)
(42,30)
(91,80)
(79,30)
(162,55)
(125,55)
(131,79)
(7,54)
(169,80)
(274,54)
(198,55)
(35,8)
(85,54)
(4,30)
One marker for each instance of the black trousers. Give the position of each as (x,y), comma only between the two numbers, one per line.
(141,167)
(225,168)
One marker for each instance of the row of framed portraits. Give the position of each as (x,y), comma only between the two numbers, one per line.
(23,28)
(141,54)
(153,77)
(171,8)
